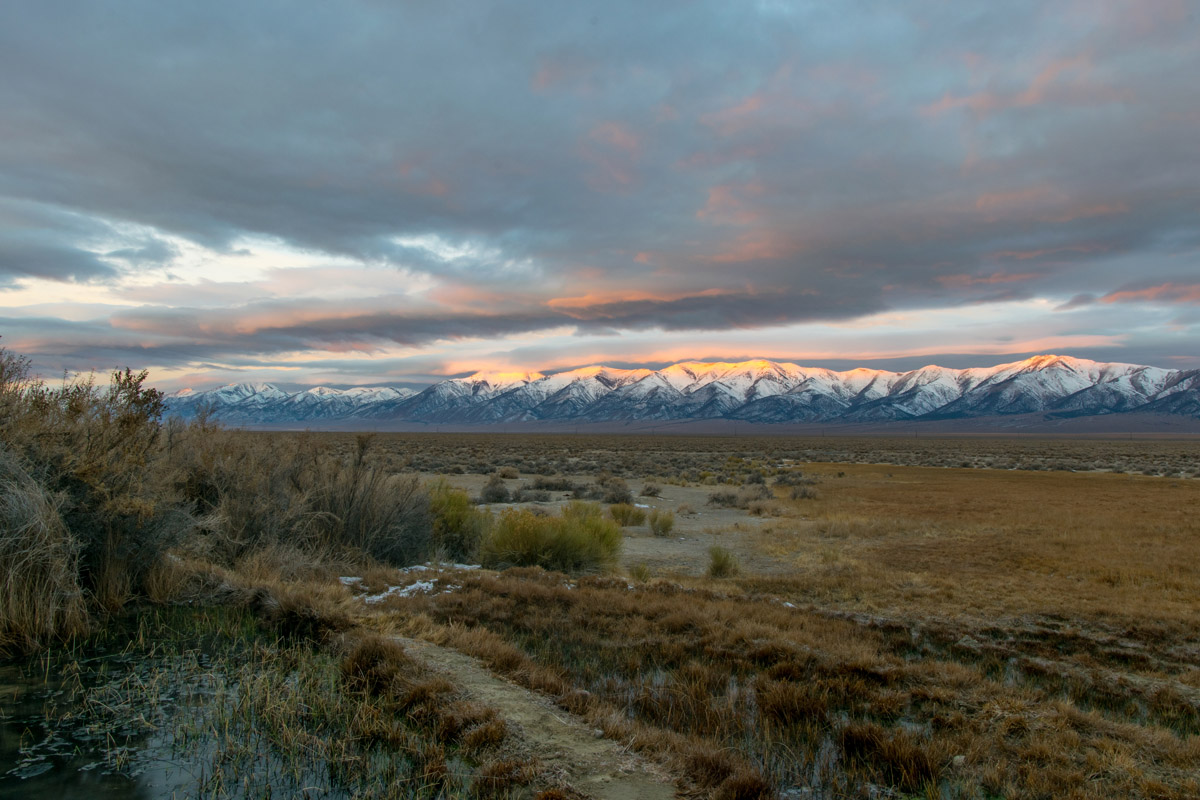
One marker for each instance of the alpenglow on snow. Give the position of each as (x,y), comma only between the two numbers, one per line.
(757,391)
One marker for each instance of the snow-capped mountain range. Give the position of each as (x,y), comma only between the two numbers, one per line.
(756,391)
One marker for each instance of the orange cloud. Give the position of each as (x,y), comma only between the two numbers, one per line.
(593,299)
(546,75)
(727,204)
(1062,81)
(612,149)
(1088,211)
(1169,292)
(463,296)
(559,70)
(1019,199)
(703,159)
(729,121)
(1034,200)
(758,245)
(616,135)
(417,180)
(1027,255)
(963,281)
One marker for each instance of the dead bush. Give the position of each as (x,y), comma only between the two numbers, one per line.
(494,491)
(40,597)
(375,665)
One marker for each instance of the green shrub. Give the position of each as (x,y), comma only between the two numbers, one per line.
(627,515)
(582,539)
(662,522)
(722,563)
(458,526)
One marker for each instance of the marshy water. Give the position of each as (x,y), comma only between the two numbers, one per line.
(149,708)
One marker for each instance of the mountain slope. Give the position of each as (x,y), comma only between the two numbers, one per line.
(756,391)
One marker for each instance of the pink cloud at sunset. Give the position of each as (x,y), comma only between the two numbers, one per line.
(391,193)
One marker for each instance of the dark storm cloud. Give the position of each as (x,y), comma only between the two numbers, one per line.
(740,164)
(40,241)
(43,260)
(184,334)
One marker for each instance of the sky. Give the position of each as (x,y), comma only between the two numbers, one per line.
(379,192)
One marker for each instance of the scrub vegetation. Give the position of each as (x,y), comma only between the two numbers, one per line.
(924,619)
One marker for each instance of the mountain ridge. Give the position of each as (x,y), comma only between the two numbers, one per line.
(753,391)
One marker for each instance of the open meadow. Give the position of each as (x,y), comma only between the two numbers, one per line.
(951,630)
(468,615)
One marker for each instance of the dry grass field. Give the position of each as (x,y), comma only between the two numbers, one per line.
(610,616)
(930,631)
(690,457)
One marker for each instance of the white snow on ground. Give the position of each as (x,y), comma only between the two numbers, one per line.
(401,591)
(407,590)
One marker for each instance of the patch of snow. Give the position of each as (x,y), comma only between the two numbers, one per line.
(402,591)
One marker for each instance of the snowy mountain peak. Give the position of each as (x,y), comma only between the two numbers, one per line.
(499,380)
(758,390)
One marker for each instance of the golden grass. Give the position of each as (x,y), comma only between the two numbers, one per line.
(988,542)
(738,686)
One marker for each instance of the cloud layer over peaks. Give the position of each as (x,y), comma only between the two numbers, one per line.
(373,192)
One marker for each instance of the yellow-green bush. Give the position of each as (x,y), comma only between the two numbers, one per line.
(662,521)
(458,526)
(582,539)
(722,563)
(627,515)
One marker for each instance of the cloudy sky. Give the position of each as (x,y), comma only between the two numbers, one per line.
(376,191)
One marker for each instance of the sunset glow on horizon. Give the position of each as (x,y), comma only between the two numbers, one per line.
(369,194)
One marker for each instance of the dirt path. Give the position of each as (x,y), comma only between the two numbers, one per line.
(591,764)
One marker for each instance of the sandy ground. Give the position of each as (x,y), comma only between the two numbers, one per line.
(685,550)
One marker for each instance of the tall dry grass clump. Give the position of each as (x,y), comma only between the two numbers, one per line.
(97,492)
(97,452)
(364,507)
(254,492)
(39,586)
(582,539)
